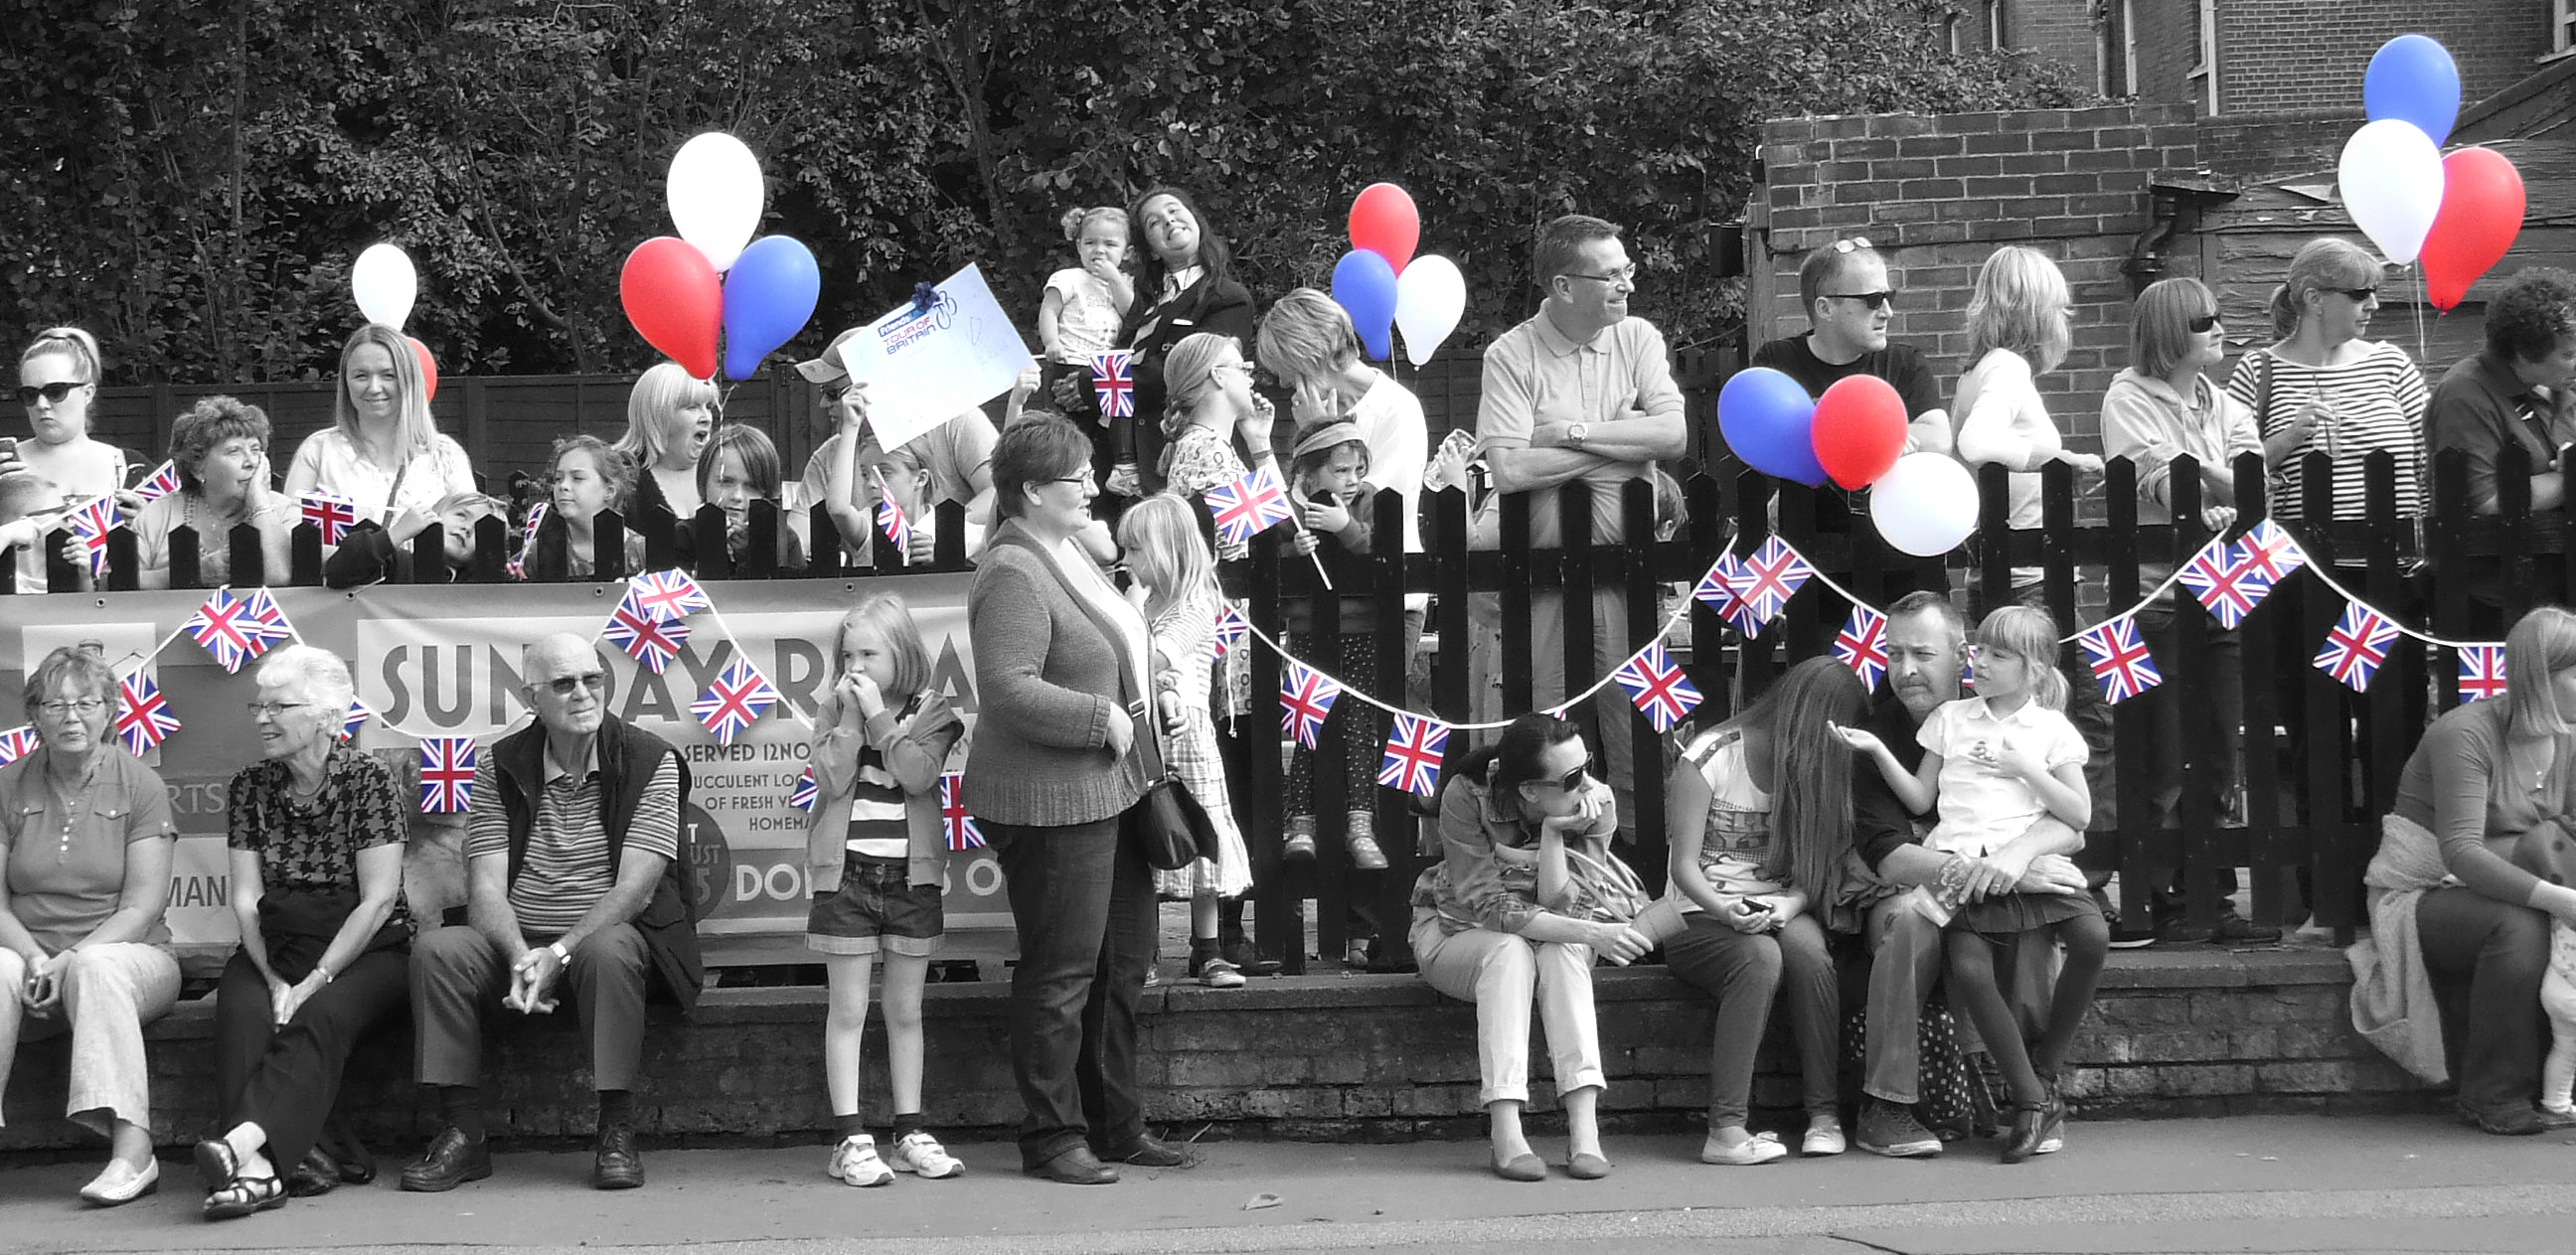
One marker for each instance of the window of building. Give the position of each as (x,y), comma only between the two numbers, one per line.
(1995,24)
(1950,34)
(2562,26)
(2204,38)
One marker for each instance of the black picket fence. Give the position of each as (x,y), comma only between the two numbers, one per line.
(2320,762)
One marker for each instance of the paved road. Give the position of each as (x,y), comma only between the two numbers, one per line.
(2280,1184)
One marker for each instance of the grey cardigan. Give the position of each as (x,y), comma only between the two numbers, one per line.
(1046,684)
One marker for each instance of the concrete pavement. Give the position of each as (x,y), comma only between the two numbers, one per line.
(2413,1183)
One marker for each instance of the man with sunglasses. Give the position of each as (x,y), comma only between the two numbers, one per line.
(1850,302)
(957,453)
(577,878)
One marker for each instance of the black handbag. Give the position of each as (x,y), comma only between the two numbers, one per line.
(1170,821)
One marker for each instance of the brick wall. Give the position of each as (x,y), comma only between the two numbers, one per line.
(2060,31)
(2296,54)
(2278,145)
(2163,41)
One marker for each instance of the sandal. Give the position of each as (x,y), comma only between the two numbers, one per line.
(244,1196)
(217,1167)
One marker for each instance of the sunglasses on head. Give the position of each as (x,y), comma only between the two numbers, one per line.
(53,393)
(1853,245)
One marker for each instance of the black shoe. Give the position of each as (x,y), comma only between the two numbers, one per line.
(1147,1152)
(450,1161)
(618,1166)
(1074,1165)
(2510,1122)
(2232,930)
(356,1163)
(317,1175)
(2028,1124)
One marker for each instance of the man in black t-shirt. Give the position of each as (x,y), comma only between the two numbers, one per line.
(1850,301)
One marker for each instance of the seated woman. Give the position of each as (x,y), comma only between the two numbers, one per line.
(1525,895)
(57,382)
(86,834)
(588,477)
(368,554)
(740,466)
(2449,983)
(221,449)
(668,418)
(316,833)
(381,452)
(1759,811)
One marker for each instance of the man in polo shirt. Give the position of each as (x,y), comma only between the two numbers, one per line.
(2514,392)
(574,879)
(1581,398)
(1850,301)
(957,453)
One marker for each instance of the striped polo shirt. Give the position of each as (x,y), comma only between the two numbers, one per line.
(567,870)
(2380,398)
(878,828)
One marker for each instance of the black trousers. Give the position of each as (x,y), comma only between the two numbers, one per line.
(2487,959)
(285,1079)
(1082,899)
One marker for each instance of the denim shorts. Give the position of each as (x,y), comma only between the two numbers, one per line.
(875,909)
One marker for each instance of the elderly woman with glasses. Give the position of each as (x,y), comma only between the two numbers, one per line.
(86,834)
(316,832)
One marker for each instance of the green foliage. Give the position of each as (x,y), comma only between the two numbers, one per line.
(194,181)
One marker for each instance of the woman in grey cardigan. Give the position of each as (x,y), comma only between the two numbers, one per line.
(1060,664)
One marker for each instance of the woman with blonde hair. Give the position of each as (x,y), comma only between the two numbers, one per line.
(57,385)
(1208,400)
(2020,325)
(669,416)
(2320,387)
(381,452)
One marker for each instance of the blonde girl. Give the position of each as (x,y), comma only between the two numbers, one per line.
(668,419)
(877,858)
(382,451)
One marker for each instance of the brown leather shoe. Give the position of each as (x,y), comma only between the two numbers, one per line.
(619,1165)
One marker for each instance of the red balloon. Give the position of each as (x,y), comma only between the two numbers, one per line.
(1384,223)
(2482,205)
(428,369)
(675,301)
(1859,429)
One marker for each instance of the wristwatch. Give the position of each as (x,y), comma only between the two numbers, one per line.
(556,948)
(1575,435)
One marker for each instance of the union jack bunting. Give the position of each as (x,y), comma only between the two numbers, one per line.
(1769,578)
(143,717)
(17,743)
(1718,589)
(90,522)
(736,698)
(446,774)
(1305,697)
(2225,582)
(1413,755)
(358,717)
(2270,550)
(1113,380)
(806,792)
(2481,672)
(237,630)
(2356,646)
(2120,660)
(958,826)
(1657,686)
(333,515)
(160,483)
(1231,627)
(1249,506)
(1862,645)
(667,596)
(896,527)
(645,639)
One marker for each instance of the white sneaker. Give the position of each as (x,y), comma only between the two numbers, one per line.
(1761,1148)
(1824,1137)
(855,1161)
(919,1153)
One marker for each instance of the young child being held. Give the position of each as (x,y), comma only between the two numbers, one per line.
(1328,477)
(2001,760)
(1175,587)
(1082,308)
(876,856)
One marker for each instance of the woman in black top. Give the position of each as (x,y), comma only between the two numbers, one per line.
(1184,285)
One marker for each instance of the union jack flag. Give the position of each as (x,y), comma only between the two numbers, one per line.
(143,717)
(1413,755)
(806,792)
(737,698)
(517,566)
(237,630)
(645,640)
(17,743)
(446,774)
(1657,686)
(1249,506)
(896,527)
(2225,581)
(2269,549)
(2481,672)
(90,522)
(160,483)
(2356,646)
(1862,645)
(2120,660)
(1113,379)
(358,717)
(334,515)
(667,596)
(954,822)
(1305,697)
(1718,589)
(1231,628)
(1767,580)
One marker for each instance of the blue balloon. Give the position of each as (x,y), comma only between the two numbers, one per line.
(2412,79)
(768,296)
(1364,286)
(1768,420)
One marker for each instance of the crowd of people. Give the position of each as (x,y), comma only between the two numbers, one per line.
(1926,830)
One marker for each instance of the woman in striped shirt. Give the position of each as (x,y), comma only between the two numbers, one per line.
(2322,388)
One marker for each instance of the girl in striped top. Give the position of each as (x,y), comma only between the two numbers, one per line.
(2322,388)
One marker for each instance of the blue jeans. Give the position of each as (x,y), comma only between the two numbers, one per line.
(1082,899)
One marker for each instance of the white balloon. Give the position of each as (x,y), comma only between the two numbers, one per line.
(385,284)
(1925,504)
(716,196)
(1430,298)
(2391,179)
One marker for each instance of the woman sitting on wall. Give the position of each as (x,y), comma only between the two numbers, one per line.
(382,452)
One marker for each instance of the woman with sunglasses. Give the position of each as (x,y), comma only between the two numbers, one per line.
(1525,896)
(668,419)
(2321,388)
(57,384)
(1184,287)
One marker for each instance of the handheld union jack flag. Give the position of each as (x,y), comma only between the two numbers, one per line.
(1231,627)
(667,596)
(2356,646)
(2225,581)
(160,483)
(1413,755)
(1113,380)
(737,698)
(645,639)
(17,743)
(237,630)
(1767,580)
(806,792)
(1249,506)
(1305,697)
(90,522)
(358,717)
(1657,686)
(1862,645)
(2120,660)
(896,527)
(1718,589)
(2481,672)
(958,826)
(517,566)
(143,717)
(334,515)
(2270,550)
(446,774)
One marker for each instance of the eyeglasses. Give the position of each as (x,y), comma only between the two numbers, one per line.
(273,709)
(53,393)
(1070,479)
(2202,324)
(1625,274)
(2359,296)
(1874,300)
(564,685)
(1853,245)
(85,705)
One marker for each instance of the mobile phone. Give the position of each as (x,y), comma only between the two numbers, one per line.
(8,446)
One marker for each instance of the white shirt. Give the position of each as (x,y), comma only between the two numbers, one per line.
(337,467)
(1981,807)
